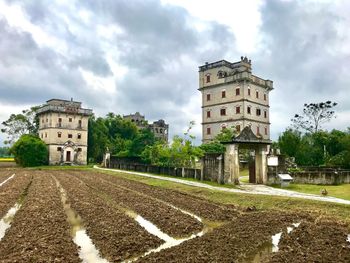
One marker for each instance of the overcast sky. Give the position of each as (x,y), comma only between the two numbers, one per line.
(127,56)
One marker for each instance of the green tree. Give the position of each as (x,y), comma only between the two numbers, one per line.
(4,151)
(181,153)
(216,146)
(16,125)
(30,150)
(289,142)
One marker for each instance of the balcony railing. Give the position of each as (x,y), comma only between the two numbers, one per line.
(63,126)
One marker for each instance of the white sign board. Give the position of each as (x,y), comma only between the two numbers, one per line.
(272,161)
(285,177)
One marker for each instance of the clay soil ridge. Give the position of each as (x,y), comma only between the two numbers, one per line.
(322,240)
(114,234)
(170,220)
(10,191)
(40,231)
(236,241)
(196,205)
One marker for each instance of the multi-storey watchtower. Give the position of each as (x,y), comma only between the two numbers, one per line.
(233,97)
(64,128)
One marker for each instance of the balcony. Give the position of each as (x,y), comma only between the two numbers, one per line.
(63,126)
(61,109)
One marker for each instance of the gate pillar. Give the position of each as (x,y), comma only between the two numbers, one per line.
(261,164)
(231,168)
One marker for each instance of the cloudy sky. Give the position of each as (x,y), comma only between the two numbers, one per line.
(125,56)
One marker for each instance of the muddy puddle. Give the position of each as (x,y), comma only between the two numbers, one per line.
(6,221)
(269,247)
(154,230)
(348,239)
(8,179)
(87,250)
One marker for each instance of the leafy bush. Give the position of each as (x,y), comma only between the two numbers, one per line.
(30,150)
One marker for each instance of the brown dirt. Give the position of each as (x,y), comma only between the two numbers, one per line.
(114,234)
(323,240)
(4,174)
(232,242)
(11,191)
(39,232)
(194,204)
(168,219)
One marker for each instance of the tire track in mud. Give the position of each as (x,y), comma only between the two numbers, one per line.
(114,234)
(40,231)
(10,191)
(169,219)
(199,206)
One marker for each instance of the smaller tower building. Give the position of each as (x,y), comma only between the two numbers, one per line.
(64,128)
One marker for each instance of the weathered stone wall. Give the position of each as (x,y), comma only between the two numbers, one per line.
(314,176)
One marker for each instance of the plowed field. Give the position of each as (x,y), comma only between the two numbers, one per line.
(179,227)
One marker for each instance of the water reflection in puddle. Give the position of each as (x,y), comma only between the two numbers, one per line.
(8,179)
(348,239)
(6,221)
(275,241)
(87,250)
(154,230)
(269,247)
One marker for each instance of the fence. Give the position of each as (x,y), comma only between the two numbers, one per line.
(134,164)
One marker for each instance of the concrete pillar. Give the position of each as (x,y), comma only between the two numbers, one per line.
(231,169)
(261,164)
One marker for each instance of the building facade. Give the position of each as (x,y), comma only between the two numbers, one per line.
(138,119)
(159,128)
(64,128)
(233,97)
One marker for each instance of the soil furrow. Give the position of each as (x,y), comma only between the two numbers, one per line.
(196,205)
(320,241)
(114,234)
(40,231)
(233,242)
(11,191)
(168,219)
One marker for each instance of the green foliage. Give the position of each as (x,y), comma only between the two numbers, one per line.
(5,152)
(181,152)
(30,150)
(289,142)
(121,137)
(18,124)
(216,145)
(318,148)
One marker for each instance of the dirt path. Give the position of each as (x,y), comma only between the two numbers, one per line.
(244,189)
(39,232)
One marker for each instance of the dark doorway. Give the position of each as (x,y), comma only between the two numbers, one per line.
(252,175)
(68,156)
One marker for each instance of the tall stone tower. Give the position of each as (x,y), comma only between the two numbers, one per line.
(233,97)
(64,128)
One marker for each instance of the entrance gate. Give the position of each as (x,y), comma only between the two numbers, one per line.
(246,140)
